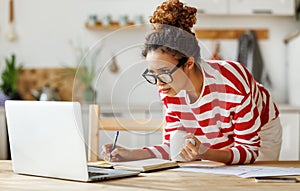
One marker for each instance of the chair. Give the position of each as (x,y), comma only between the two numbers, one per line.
(96,124)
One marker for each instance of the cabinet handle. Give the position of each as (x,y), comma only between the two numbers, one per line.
(262,11)
(201,11)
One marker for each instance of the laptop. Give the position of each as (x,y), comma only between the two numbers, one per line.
(46,139)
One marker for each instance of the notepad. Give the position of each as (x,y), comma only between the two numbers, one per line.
(146,165)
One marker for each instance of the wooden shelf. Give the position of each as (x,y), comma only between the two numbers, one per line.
(212,34)
(112,25)
(261,34)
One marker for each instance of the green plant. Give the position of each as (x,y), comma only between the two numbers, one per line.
(86,69)
(10,77)
(86,64)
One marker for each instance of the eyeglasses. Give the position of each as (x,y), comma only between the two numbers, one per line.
(164,77)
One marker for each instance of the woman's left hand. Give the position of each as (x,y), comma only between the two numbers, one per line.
(192,151)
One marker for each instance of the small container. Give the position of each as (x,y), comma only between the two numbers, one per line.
(92,20)
(138,19)
(106,20)
(123,20)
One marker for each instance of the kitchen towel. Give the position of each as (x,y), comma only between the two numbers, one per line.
(249,54)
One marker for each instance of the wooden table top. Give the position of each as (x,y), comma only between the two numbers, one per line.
(162,180)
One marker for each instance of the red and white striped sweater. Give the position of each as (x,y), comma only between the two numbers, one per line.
(229,113)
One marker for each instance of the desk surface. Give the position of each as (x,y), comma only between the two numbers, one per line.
(162,180)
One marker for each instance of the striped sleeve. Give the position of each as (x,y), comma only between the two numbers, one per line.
(246,123)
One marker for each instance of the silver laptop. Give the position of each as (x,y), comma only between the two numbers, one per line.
(46,139)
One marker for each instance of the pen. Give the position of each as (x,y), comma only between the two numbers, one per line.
(114,144)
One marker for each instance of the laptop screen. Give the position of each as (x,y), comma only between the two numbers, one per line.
(46,139)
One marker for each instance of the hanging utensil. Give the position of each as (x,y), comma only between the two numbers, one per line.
(113,66)
(11,34)
(216,54)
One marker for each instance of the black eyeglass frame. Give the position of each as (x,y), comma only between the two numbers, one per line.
(181,62)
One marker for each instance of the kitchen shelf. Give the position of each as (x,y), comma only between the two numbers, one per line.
(261,34)
(112,26)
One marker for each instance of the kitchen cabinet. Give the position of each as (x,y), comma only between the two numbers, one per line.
(293,68)
(214,7)
(266,7)
(244,7)
(290,120)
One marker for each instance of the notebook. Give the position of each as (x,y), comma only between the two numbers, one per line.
(146,165)
(46,139)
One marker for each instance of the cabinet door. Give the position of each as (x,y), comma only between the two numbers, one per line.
(290,136)
(215,7)
(271,7)
(293,69)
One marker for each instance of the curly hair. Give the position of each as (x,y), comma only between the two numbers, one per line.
(175,13)
(170,15)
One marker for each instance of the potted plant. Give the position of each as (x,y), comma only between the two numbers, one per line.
(86,75)
(85,71)
(10,78)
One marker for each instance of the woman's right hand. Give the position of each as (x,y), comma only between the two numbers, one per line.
(121,154)
(117,155)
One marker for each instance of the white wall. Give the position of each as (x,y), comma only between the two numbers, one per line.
(45,28)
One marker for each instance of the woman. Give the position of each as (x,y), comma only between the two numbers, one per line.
(230,117)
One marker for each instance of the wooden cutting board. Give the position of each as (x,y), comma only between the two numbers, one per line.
(37,78)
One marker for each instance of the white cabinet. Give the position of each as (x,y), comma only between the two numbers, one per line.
(244,7)
(215,7)
(293,68)
(272,7)
(290,120)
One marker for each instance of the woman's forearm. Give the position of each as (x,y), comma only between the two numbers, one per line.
(140,154)
(219,155)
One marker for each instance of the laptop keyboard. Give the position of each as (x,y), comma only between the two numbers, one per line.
(96,174)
